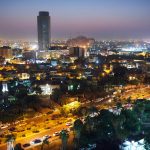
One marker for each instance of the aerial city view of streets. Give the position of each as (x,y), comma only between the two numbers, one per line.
(60,90)
(96,101)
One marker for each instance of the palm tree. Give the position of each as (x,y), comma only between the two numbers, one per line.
(139,108)
(91,123)
(83,111)
(78,125)
(119,105)
(117,123)
(10,141)
(64,138)
(129,100)
(18,147)
(45,142)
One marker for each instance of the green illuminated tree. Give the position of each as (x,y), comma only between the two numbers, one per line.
(64,138)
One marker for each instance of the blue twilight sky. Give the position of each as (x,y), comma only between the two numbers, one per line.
(69,18)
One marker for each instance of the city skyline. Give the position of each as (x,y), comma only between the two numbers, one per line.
(98,19)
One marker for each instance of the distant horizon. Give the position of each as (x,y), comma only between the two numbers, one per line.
(100,19)
(65,39)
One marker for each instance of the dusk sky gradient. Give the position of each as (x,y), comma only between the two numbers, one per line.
(69,18)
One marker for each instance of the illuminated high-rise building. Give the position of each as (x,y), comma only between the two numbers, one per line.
(43,25)
(77,52)
(6,52)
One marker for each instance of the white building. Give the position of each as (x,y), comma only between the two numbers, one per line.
(47,89)
(133,145)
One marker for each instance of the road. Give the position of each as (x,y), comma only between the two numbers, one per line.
(137,93)
(37,135)
(57,128)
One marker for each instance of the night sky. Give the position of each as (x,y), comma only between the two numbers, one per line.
(69,18)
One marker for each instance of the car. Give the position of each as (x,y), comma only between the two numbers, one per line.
(4,127)
(26,145)
(12,129)
(35,141)
(17,122)
(56,134)
(46,137)
(68,124)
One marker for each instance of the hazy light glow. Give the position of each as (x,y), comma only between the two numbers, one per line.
(133,49)
(34,47)
(95,18)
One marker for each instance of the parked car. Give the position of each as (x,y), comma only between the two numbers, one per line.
(12,129)
(56,134)
(36,141)
(68,124)
(26,145)
(46,137)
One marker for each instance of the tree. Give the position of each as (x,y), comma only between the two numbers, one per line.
(56,95)
(132,123)
(32,101)
(37,89)
(78,125)
(117,122)
(104,126)
(119,105)
(64,138)
(18,147)
(90,124)
(120,75)
(139,108)
(82,111)
(80,61)
(129,100)
(10,138)
(93,110)
(45,142)
(147,140)
(21,91)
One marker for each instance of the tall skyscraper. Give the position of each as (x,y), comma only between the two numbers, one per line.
(43,25)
